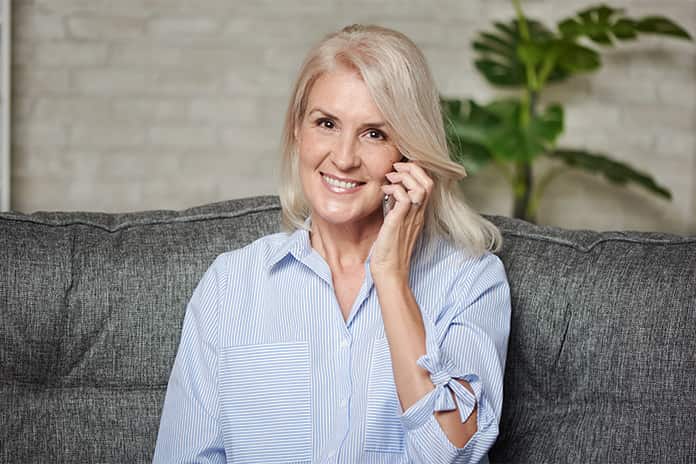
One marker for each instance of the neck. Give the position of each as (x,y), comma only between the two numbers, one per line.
(344,246)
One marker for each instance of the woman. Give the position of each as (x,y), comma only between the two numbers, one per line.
(363,334)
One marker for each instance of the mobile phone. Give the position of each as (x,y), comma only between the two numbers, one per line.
(387,204)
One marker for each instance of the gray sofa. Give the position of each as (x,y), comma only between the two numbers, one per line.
(601,364)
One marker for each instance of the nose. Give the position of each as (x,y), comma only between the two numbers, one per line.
(345,155)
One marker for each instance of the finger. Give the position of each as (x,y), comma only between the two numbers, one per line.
(403,201)
(414,189)
(417,172)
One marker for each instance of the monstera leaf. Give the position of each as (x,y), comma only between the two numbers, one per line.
(479,134)
(466,133)
(615,171)
(603,25)
(499,58)
(505,58)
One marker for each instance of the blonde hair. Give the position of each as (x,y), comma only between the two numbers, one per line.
(399,80)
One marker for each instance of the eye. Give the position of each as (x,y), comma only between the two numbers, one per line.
(326,123)
(376,134)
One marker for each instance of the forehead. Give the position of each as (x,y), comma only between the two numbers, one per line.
(342,92)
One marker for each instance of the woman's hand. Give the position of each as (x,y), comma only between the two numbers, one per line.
(411,187)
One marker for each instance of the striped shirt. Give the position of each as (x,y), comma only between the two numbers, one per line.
(269,371)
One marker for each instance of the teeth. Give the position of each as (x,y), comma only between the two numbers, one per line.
(340,183)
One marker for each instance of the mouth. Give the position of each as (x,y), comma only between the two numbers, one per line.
(338,185)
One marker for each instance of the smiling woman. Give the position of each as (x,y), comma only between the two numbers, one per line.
(356,335)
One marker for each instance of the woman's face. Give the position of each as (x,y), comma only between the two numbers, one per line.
(345,150)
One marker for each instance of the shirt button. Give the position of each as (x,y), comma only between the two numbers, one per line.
(343,403)
(344,343)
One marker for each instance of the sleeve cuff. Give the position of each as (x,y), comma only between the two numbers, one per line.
(443,374)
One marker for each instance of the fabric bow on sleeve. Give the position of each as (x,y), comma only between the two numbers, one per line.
(443,374)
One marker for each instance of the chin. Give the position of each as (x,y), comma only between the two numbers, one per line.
(344,215)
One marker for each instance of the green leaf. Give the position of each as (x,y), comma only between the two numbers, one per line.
(532,53)
(663,26)
(501,53)
(512,142)
(624,29)
(501,74)
(614,171)
(576,58)
(603,25)
(465,136)
(478,134)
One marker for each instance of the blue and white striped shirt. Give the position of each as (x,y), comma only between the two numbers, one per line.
(268,371)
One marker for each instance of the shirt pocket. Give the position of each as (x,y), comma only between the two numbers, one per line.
(265,402)
(383,430)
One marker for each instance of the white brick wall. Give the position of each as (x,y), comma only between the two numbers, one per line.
(138,104)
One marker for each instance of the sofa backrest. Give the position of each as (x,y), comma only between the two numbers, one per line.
(91,307)
(600,363)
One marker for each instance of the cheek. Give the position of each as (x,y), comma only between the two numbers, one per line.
(385,162)
(309,147)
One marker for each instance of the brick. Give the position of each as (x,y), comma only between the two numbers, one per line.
(70,54)
(105,28)
(422,32)
(677,93)
(654,117)
(144,55)
(678,144)
(30,26)
(225,111)
(106,136)
(71,109)
(43,162)
(254,32)
(182,137)
(591,115)
(238,187)
(151,109)
(22,53)
(111,82)
(98,195)
(121,8)
(259,82)
(28,81)
(190,191)
(37,134)
(22,109)
(30,194)
(624,90)
(187,82)
(182,28)
(123,165)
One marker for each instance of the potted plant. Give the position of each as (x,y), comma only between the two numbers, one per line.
(515,132)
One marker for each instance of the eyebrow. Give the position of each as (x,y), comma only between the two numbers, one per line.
(329,115)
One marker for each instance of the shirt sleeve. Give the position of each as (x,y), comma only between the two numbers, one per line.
(469,342)
(189,426)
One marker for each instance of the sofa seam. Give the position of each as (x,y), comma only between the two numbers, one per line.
(591,246)
(128,225)
(43,386)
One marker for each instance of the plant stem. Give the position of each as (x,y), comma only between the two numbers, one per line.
(524,175)
(523,191)
(541,188)
(532,81)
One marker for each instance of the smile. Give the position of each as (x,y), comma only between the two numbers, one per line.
(336,185)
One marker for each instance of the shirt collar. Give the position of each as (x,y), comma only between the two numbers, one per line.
(297,243)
